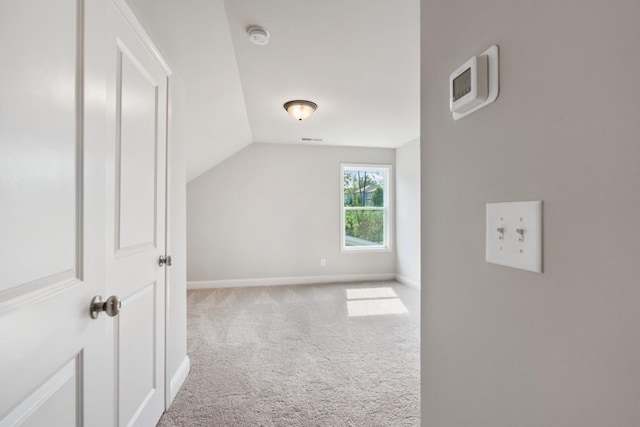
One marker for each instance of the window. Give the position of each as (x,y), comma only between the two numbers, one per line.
(365,207)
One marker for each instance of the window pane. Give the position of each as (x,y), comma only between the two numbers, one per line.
(363,228)
(363,187)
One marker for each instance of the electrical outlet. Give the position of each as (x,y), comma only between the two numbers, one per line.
(323,262)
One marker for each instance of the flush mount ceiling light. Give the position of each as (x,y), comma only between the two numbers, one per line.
(300,109)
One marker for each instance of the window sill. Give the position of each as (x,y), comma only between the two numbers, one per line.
(348,249)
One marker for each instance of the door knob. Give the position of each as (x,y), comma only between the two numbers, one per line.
(111,306)
(164,260)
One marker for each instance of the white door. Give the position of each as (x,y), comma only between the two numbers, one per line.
(55,360)
(136,134)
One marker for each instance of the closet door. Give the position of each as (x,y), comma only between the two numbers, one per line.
(136,190)
(55,359)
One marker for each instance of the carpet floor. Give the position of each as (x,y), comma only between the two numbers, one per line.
(314,355)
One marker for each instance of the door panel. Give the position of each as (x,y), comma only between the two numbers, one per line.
(136,340)
(51,223)
(137,152)
(59,399)
(137,105)
(39,144)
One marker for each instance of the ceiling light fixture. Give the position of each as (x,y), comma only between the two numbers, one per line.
(300,109)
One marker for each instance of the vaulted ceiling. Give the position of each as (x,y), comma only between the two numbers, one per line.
(358,60)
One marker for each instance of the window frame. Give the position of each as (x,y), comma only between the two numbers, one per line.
(386,209)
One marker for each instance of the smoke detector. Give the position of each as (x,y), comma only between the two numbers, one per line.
(258,35)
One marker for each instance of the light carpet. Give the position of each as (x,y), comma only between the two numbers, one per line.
(312,355)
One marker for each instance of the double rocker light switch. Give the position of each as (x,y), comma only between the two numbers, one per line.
(514,235)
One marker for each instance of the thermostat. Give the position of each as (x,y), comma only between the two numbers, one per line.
(474,84)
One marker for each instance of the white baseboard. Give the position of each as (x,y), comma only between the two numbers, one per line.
(276,281)
(178,378)
(407,282)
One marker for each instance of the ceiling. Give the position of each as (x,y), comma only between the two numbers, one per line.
(359,60)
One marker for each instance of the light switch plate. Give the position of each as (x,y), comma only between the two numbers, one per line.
(505,245)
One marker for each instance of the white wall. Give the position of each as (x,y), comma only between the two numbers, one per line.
(408,213)
(272,211)
(504,347)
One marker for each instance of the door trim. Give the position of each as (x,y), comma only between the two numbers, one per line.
(130,17)
(179,378)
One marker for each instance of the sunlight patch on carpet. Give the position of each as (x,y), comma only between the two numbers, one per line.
(373,302)
(364,293)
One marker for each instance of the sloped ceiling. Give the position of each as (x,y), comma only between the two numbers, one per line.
(359,60)
(208,105)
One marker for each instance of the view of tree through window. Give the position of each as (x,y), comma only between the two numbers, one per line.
(364,206)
